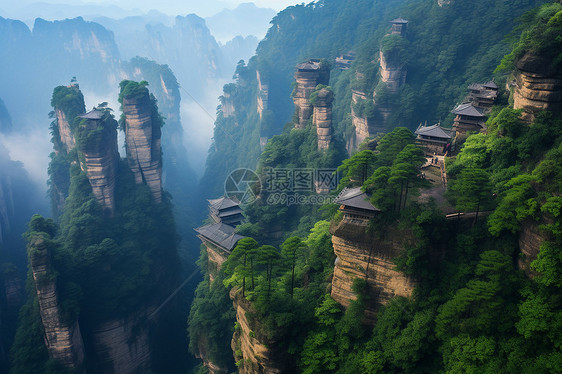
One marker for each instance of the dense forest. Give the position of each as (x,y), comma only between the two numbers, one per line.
(480,303)
(399,259)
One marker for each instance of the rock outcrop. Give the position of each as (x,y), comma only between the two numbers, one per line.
(363,256)
(322,117)
(98,143)
(263,95)
(254,353)
(66,137)
(121,346)
(530,239)
(393,72)
(360,123)
(63,339)
(142,138)
(538,86)
(308,75)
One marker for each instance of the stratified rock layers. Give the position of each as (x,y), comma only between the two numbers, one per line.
(101,157)
(362,256)
(322,118)
(307,76)
(122,346)
(66,137)
(63,340)
(393,73)
(142,137)
(257,356)
(538,87)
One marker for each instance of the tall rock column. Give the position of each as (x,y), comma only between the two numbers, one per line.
(322,117)
(142,137)
(538,86)
(307,76)
(63,340)
(97,140)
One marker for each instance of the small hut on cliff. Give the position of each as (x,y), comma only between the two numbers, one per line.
(226,210)
(433,139)
(355,203)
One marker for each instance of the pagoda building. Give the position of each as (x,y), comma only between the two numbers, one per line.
(434,139)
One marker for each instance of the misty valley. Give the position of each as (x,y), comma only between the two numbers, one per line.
(335,187)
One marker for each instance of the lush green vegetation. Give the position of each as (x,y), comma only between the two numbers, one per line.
(105,267)
(480,305)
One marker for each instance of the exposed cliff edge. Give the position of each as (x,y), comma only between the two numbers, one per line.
(322,117)
(361,255)
(63,339)
(307,76)
(255,353)
(142,137)
(68,103)
(122,345)
(97,140)
(538,86)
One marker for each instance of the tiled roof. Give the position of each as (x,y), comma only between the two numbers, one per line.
(355,198)
(92,114)
(223,203)
(221,234)
(399,20)
(467,110)
(435,131)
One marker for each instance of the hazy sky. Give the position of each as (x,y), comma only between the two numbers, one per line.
(203,8)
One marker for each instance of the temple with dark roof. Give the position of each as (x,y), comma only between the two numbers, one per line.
(482,96)
(398,26)
(226,210)
(434,139)
(92,114)
(220,237)
(355,203)
(468,118)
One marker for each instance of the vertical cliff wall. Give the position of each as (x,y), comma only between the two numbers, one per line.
(364,256)
(256,354)
(63,339)
(263,94)
(142,137)
(358,120)
(538,86)
(97,139)
(322,117)
(393,72)
(307,76)
(121,346)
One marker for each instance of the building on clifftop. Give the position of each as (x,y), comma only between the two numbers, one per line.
(468,118)
(434,139)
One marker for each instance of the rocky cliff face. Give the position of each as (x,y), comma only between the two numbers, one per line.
(393,72)
(227,105)
(254,354)
(142,137)
(530,240)
(360,255)
(121,346)
(307,76)
(63,339)
(263,95)
(322,118)
(99,147)
(360,123)
(538,86)
(66,137)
